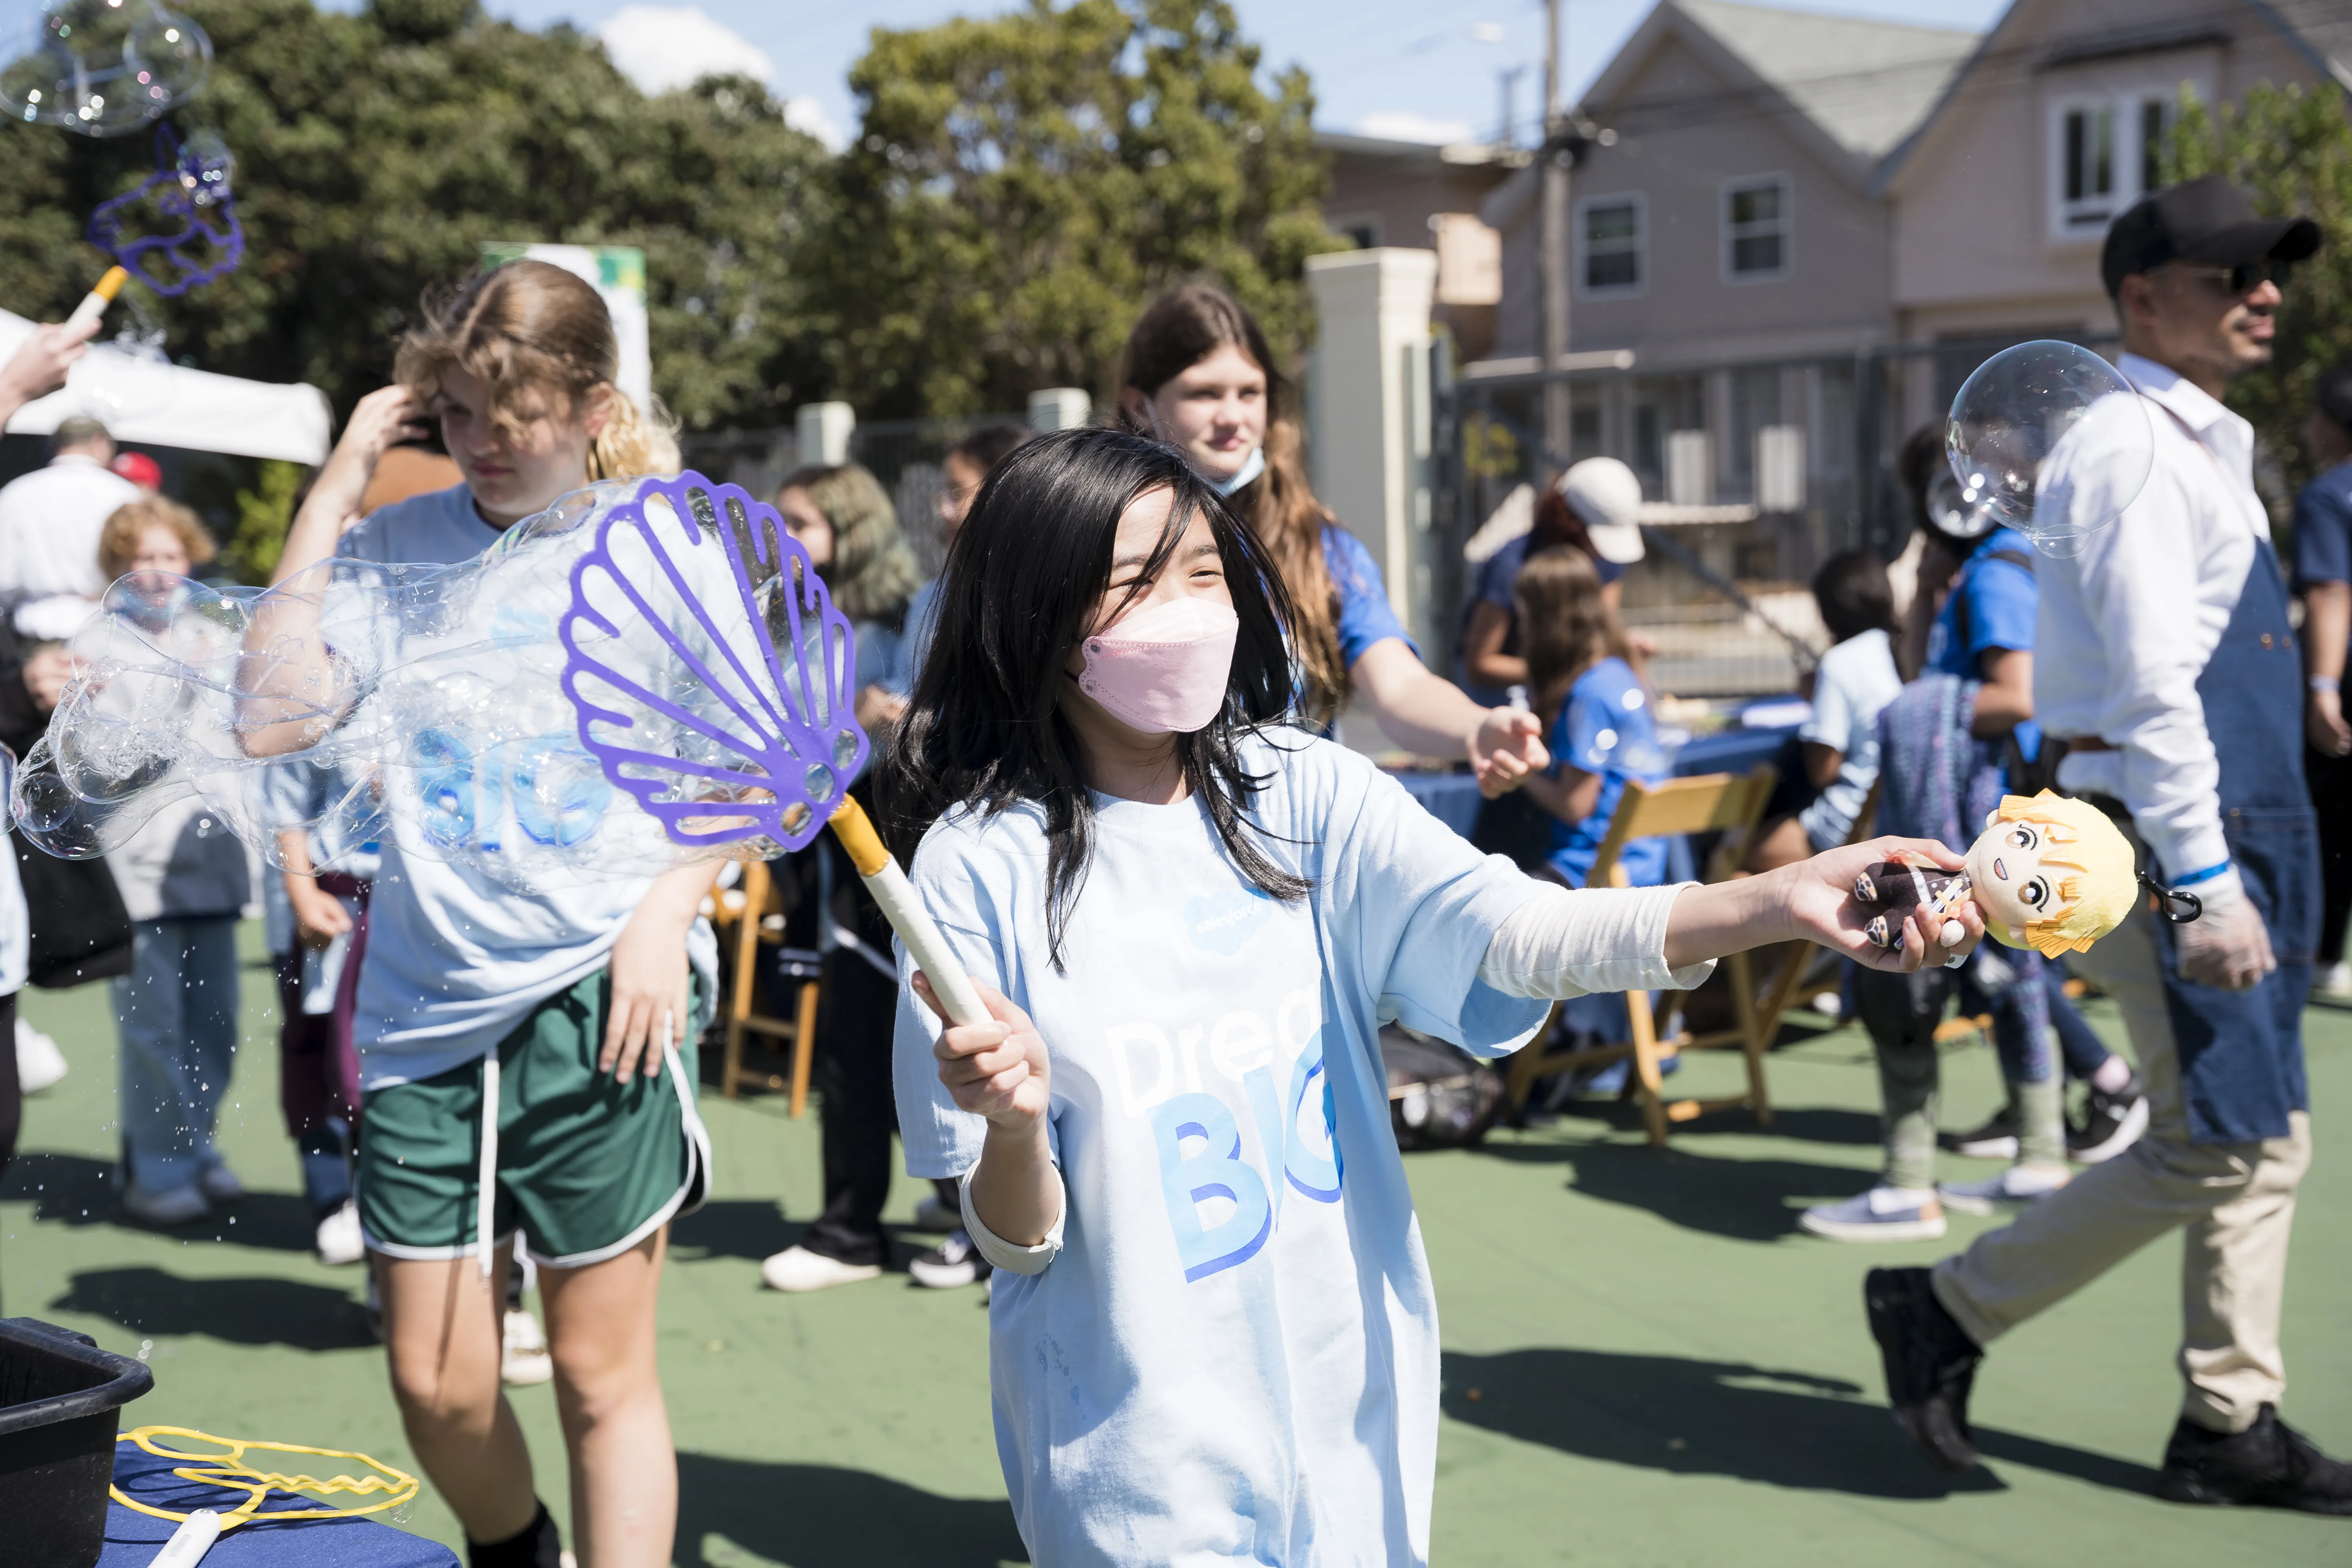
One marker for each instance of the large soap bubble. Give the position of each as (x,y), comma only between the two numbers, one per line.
(648,674)
(2013,418)
(101,66)
(178,227)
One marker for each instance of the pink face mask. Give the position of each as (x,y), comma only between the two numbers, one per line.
(1163,670)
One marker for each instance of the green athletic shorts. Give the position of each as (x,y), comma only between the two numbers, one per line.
(587,1168)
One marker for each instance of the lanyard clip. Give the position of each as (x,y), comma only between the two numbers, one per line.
(2175,906)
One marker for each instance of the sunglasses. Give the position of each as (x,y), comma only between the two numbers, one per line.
(2242,280)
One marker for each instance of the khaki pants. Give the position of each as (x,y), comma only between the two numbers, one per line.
(2236,1200)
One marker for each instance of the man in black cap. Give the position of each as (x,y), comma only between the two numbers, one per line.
(2168,670)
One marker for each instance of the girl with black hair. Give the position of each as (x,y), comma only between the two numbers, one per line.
(1213,1333)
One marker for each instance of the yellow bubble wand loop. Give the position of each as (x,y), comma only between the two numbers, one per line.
(228,1470)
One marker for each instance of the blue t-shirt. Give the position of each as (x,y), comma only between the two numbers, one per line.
(1991,605)
(1607,726)
(2323,529)
(1498,585)
(1234,1358)
(1365,614)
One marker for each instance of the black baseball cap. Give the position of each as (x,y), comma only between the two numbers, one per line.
(2206,221)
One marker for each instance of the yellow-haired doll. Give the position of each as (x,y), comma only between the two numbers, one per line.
(2048,873)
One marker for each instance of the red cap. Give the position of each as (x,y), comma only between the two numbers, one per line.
(140,468)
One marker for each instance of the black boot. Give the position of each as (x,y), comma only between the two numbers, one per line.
(539,1545)
(1930,1364)
(2268,1465)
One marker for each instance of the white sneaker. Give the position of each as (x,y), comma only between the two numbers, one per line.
(2335,980)
(931,1214)
(797,1268)
(338,1239)
(39,1063)
(174,1206)
(2019,1184)
(220,1184)
(523,1359)
(1882,1213)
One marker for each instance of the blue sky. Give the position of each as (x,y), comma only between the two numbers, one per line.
(1386,67)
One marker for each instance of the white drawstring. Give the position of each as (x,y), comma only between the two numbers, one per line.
(484,1197)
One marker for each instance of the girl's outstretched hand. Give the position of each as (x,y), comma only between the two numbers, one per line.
(998,1070)
(1819,898)
(1813,900)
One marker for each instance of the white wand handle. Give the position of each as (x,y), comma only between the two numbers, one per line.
(905,911)
(190,1541)
(94,303)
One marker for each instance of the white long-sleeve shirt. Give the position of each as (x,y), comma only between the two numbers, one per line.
(49,523)
(2127,627)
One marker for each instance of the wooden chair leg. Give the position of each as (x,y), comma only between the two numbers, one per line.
(1519,1078)
(731,1073)
(804,1046)
(1785,981)
(1646,1065)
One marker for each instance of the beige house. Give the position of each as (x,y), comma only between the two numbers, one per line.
(1419,196)
(1783,214)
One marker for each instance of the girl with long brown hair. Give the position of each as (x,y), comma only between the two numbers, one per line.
(1197,375)
(1605,730)
(574,996)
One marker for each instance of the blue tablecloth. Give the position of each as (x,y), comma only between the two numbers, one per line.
(132,1538)
(1453,798)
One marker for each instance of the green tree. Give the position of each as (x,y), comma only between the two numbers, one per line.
(378,150)
(2292,149)
(1021,184)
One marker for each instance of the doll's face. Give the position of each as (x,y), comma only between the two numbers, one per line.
(2006,877)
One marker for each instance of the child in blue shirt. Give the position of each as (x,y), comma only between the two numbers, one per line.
(1213,1335)
(1606,732)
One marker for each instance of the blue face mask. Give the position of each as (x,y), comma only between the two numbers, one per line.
(1250,469)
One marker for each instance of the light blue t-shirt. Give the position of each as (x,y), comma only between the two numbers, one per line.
(1607,726)
(1855,681)
(1234,1357)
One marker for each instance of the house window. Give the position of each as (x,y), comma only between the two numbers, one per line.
(2106,154)
(1363,231)
(1609,236)
(1756,228)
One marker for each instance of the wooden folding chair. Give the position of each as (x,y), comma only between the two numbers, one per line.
(751,913)
(1725,802)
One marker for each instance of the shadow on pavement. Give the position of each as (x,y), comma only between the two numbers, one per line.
(247,1312)
(732,1227)
(1746,1200)
(821,1516)
(1724,1418)
(76,1190)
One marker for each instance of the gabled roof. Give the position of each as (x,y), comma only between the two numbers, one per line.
(1856,88)
(2319,30)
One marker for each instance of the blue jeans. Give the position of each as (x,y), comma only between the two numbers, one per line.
(176,1014)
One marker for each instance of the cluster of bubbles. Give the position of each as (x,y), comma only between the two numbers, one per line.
(2047,438)
(99,67)
(646,674)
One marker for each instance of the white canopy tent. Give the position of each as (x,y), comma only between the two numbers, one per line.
(171,405)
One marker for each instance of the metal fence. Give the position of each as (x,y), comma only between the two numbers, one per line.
(1753,473)
(904,455)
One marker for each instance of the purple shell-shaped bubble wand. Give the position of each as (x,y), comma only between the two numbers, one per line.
(722,702)
(179,228)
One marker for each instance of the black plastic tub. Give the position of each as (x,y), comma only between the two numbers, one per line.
(59,1398)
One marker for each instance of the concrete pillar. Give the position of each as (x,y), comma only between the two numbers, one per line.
(824,430)
(1059,409)
(1369,422)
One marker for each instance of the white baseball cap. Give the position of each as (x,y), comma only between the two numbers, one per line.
(1607,498)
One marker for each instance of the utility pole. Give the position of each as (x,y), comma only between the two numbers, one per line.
(1552,237)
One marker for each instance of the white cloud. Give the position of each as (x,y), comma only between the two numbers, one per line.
(808,115)
(661,47)
(1404,125)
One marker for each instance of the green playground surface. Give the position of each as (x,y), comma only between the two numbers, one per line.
(1646,1365)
